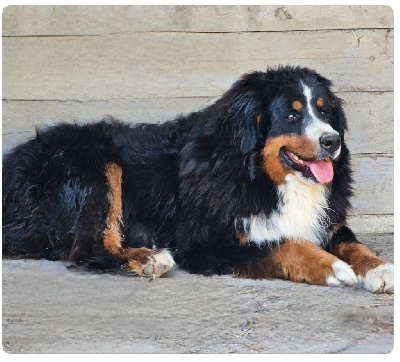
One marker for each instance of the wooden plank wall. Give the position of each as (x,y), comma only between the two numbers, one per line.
(150,63)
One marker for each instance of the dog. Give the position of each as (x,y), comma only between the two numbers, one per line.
(257,184)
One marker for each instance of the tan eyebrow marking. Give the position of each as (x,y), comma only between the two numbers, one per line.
(320,102)
(297,106)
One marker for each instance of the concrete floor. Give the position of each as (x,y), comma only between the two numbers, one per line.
(48,308)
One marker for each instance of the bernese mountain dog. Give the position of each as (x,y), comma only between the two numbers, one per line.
(257,184)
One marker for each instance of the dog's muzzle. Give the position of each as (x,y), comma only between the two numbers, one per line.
(330,142)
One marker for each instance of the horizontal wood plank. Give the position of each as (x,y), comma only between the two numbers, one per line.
(103,20)
(373,184)
(370,116)
(147,65)
(371,224)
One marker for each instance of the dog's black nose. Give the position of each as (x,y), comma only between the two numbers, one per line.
(330,142)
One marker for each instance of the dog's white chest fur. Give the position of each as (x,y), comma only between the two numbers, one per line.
(301,214)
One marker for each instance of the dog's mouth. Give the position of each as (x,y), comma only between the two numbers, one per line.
(320,170)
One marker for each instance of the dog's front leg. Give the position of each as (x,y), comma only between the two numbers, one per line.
(375,274)
(301,261)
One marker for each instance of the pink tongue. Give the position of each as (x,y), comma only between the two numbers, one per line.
(322,170)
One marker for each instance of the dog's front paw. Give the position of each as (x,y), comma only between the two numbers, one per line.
(380,279)
(343,274)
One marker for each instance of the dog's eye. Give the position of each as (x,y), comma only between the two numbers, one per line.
(323,113)
(292,117)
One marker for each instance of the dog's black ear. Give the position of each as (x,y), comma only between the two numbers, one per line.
(244,106)
(246,132)
(339,121)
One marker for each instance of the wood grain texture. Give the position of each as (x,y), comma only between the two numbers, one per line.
(147,65)
(103,20)
(371,224)
(373,184)
(370,116)
(370,119)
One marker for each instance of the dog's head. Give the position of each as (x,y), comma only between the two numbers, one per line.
(291,114)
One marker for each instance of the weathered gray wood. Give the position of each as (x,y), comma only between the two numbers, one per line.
(144,65)
(370,122)
(373,185)
(365,224)
(101,20)
(370,116)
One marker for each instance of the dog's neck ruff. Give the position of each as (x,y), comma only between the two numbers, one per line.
(300,214)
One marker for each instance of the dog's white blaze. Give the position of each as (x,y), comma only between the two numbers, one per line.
(315,128)
(301,214)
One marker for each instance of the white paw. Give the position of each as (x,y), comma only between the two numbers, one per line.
(380,279)
(158,264)
(343,275)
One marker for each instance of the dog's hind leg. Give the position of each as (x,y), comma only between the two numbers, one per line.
(141,261)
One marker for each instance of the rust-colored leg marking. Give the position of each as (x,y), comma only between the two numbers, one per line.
(142,261)
(375,274)
(112,234)
(359,256)
(304,262)
(300,261)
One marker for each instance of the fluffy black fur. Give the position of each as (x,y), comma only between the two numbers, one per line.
(185,181)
